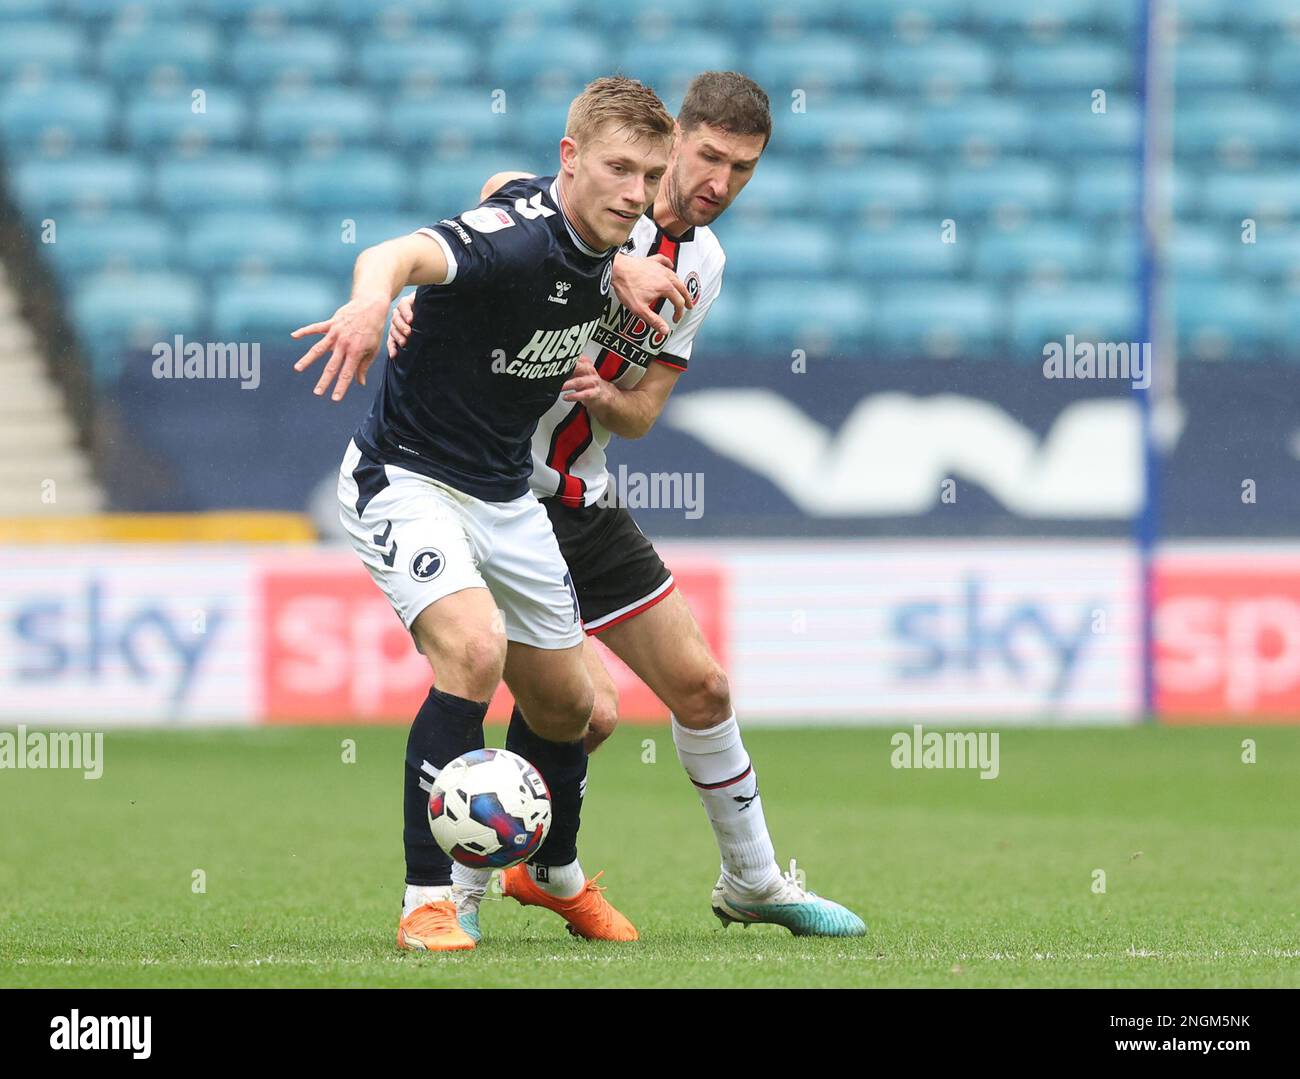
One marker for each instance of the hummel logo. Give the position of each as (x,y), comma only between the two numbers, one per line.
(533,208)
(380,540)
(561,287)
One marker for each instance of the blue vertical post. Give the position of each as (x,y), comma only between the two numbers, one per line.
(1146,525)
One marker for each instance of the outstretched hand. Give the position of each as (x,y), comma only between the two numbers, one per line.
(352,334)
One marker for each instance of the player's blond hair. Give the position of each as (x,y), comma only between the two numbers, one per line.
(614,103)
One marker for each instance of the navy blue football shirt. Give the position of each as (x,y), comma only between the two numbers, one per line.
(490,348)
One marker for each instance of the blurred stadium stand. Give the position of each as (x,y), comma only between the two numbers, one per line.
(214,166)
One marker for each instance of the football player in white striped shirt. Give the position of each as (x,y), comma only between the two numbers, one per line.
(626,594)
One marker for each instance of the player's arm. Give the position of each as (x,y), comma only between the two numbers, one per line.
(627,413)
(354,331)
(642,284)
(498,180)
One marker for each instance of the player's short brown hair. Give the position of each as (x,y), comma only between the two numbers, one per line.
(618,104)
(727,100)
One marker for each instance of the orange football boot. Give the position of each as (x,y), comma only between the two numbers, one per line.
(433,928)
(589,914)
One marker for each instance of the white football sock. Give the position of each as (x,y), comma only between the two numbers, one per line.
(474,881)
(718,765)
(561,881)
(417,895)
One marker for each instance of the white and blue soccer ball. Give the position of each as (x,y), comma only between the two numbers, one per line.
(490,809)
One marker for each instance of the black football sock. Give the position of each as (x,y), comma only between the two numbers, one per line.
(444,728)
(564,767)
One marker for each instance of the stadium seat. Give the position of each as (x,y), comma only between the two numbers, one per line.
(269,309)
(1213,63)
(1048,21)
(1201,250)
(552,60)
(1079,65)
(88,183)
(350,183)
(725,325)
(938,319)
(450,123)
(779,187)
(974,125)
(322,120)
(217,182)
(777,19)
(56,117)
(841,130)
(264,12)
(814,62)
(102,11)
(669,66)
(248,242)
(1042,313)
(418,63)
(180,53)
(116,312)
(336,240)
(907,249)
(1227,320)
(783,249)
(393,17)
(910,19)
(940,66)
(1261,194)
(658,22)
(298,57)
(1070,130)
(1041,249)
(1283,66)
(1110,191)
(891,186)
(445,188)
(131,242)
(155,123)
(48,49)
(537,122)
(1274,254)
(1021,186)
(810,315)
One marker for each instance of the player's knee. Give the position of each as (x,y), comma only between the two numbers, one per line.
(564,715)
(604,718)
(705,699)
(467,663)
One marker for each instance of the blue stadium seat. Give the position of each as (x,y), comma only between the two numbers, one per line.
(725,325)
(1070,130)
(814,63)
(451,123)
(890,186)
(237,242)
(1041,313)
(974,125)
(116,312)
(1283,66)
(537,122)
(445,188)
(1202,14)
(1021,186)
(779,187)
(1121,255)
(777,19)
(323,119)
(1110,191)
(839,130)
(909,248)
(393,17)
(1201,250)
(1040,249)
(658,22)
(131,242)
(1084,66)
(813,315)
(100,11)
(782,249)
(269,309)
(917,18)
(1046,21)
(1213,63)
(170,121)
(1266,19)
(263,12)
(516,19)
(554,60)
(1232,126)
(336,239)
(1225,320)
(301,56)
(1274,254)
(349,183)
(669,66)
(89,183)
(185,53)
(41,49)
(17,10)
(938,319)
(941,66)
(1262,194)
(217,182)
(419,62)
(55,117)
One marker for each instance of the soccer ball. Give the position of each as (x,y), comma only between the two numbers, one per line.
(490,809)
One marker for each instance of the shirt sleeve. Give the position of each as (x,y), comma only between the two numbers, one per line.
(677,349)
(489,245)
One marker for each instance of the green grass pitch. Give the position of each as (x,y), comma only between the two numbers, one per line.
(962,881)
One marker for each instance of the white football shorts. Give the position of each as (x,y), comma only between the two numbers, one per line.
(422,540)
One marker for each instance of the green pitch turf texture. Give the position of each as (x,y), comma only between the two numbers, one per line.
(962,881)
